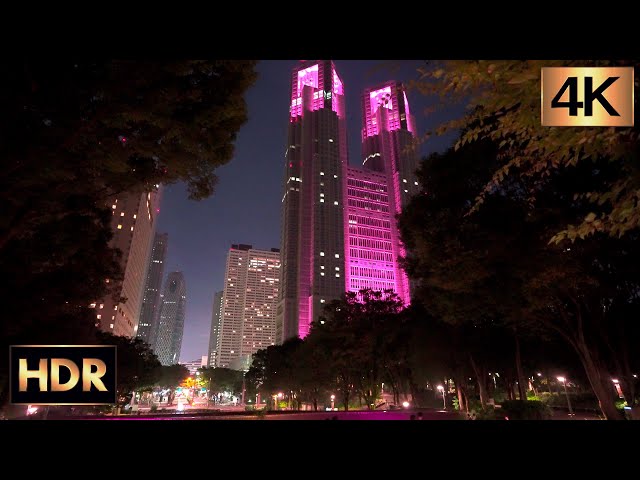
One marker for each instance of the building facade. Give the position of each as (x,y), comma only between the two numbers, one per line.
(194,365)
(339,231)
(312,238)
(214,336)
(148,325)
(133,224)
(249,303)
(171,319)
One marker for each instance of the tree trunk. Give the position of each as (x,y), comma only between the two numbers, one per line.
(522,382)
(315,405)
(481,376)
(600,381)
(459,384)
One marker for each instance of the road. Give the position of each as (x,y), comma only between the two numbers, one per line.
(427,414)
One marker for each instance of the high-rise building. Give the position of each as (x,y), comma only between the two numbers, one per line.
(194,365)
(133,225)
(378,190)
(312,238)
(171,320)
(148,325)
(339,231)
(249,303)
(214,336)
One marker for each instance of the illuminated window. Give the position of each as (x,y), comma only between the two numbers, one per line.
(322,300)
(415,183)
(337,268)
(115,307)
(107,280)
(322,254)
(111,325)
(337,274)
(322,194)
(321,267)
(135,216)
(322,200)
(119,227)
(321,173)
(98,316)
(335,176)
(101,305)
(132,228)
(404,180)
(92,305)
(335,203)
(322,274)
(337,255)
(122,214)
(113,206)
(331,140)
(406,191)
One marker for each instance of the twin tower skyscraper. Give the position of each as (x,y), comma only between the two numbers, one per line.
(339,231)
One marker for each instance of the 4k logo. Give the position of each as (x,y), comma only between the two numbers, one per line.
(587,96)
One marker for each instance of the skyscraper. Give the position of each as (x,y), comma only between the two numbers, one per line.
(339,231)
(378,190)
(171,320)
(312,238)
(148,325)
(249,303)
(214,336)
(133,225)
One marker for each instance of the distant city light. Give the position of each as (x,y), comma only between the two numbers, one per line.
(405,404)
(440,388)
(561,379)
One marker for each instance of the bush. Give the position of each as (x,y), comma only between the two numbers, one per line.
(526,410)
(154,408)
(477,412)
(249,408)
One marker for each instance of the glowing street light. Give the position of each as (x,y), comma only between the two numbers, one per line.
(444,400)
(333,399)
(405,404)
(564,382)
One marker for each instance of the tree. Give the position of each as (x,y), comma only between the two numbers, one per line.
(494,269)
(362,320)
(504,101)
(137,365)
(221,379)
(74,134)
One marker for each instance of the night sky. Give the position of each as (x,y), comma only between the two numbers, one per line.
(245,207)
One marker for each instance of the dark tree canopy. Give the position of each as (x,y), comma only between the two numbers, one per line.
(72,133)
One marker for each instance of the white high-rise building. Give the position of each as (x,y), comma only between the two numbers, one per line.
(249,303)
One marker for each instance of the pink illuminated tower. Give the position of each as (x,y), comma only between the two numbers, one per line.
(339,229)
(378,190)
(312,241)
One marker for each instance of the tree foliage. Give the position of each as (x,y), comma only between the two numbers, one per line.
(74,133)
(493,274)
(504,106)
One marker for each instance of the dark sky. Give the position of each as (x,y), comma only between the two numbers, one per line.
(245,207)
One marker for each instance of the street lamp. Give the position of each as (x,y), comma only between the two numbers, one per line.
(564,383)
(444,400)
(333,399)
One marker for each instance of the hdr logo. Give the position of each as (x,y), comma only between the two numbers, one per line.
(587,96)
(63,374)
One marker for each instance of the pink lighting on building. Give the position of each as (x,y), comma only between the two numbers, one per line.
(320,91)
(381,98)
(371,249)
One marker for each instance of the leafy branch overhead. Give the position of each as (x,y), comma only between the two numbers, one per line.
(504,106)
